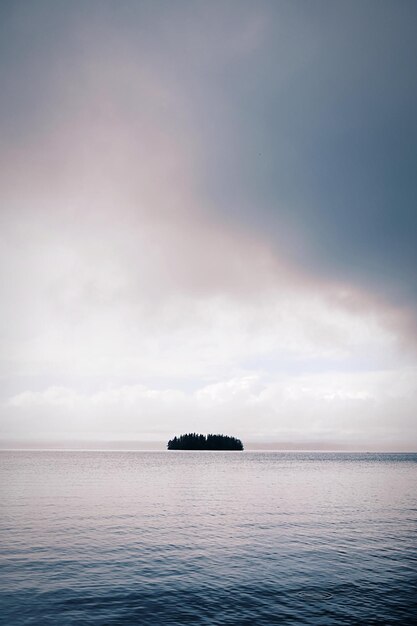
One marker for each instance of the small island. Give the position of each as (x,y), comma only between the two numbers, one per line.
(192,441)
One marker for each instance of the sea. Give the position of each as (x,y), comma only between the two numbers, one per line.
(107,538)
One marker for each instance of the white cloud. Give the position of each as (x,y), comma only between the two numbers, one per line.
(110,302)
(107,336)
(374,408)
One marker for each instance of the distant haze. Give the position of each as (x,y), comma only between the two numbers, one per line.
(208,223)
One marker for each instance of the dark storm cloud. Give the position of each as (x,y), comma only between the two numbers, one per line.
(301,116)
(321,149)
(208,212)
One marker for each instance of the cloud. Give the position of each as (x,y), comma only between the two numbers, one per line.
(245,122)
(206,200)
(109,302)
(374,409)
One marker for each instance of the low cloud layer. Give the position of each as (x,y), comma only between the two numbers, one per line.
(318,409)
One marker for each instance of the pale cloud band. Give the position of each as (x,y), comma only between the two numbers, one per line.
(326,410)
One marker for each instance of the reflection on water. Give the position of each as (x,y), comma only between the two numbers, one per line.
(233,538)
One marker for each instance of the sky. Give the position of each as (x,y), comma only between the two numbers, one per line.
(208,218)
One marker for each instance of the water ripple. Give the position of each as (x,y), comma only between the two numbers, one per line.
(214,539)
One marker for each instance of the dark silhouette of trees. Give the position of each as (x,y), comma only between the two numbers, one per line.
(192,441)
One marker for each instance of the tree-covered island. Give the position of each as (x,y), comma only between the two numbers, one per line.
(192,441)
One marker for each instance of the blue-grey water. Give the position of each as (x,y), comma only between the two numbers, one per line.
(169,538)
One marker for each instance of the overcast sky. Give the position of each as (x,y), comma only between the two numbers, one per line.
(208,221)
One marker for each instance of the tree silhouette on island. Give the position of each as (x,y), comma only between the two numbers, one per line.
(192,441)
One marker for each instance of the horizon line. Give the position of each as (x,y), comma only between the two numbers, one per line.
(159,446)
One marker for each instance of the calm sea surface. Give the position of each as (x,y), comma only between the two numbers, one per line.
(169,538)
